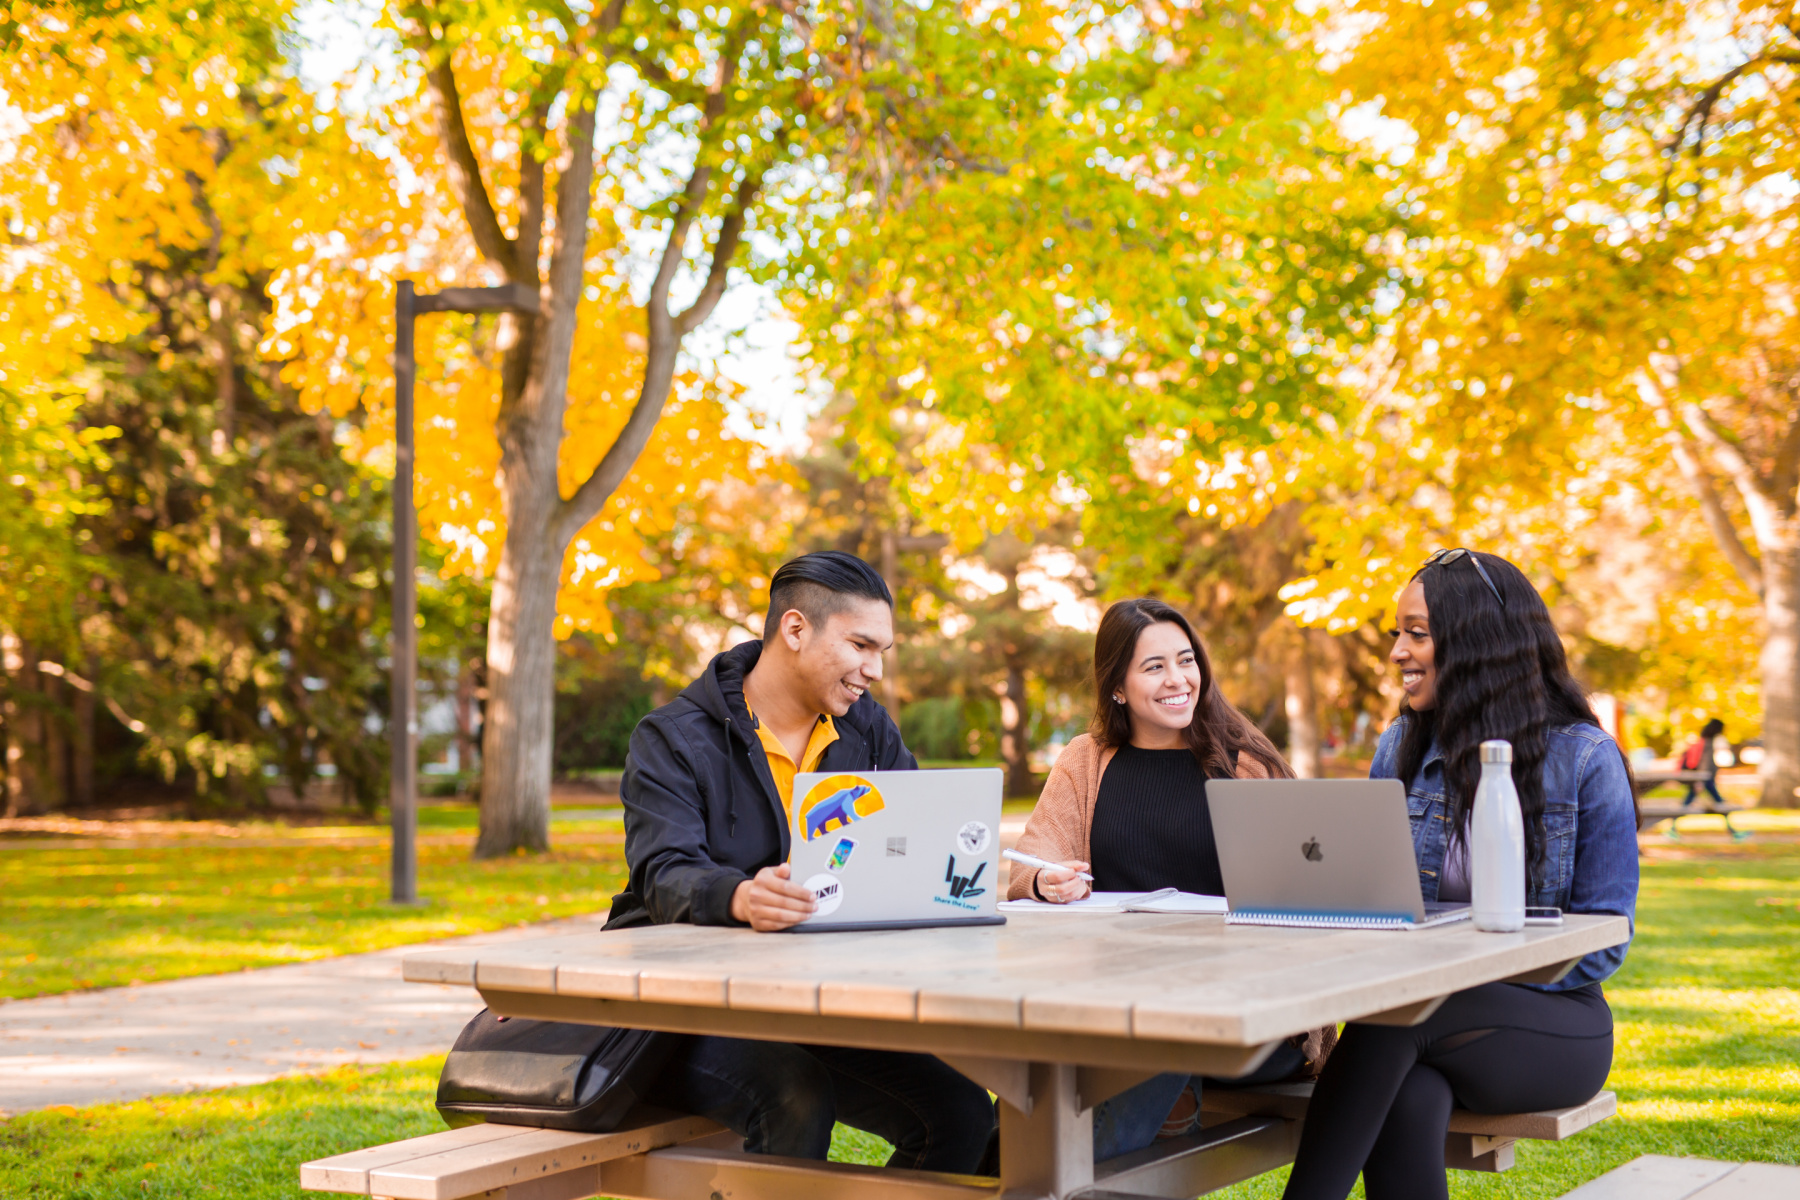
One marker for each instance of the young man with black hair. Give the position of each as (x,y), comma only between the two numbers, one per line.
(708,794)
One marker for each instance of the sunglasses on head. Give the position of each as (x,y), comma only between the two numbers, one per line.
(1445,557)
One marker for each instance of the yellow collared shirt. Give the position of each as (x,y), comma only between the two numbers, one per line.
(781,763)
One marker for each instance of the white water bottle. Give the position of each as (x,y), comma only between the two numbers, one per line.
(1497,845)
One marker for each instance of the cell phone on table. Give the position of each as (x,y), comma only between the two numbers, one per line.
(1543,916)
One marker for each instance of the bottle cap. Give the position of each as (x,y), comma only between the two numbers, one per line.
(1496,752)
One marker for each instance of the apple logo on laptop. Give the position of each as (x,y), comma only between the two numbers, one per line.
(1309,850)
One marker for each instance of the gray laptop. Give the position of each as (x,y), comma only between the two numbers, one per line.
(1333,853)
(898,849)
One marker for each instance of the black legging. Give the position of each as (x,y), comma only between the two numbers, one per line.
(1382,1106)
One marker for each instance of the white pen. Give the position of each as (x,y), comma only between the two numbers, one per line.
(1042,865)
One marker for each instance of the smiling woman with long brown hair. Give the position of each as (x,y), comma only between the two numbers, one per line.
(1126,802)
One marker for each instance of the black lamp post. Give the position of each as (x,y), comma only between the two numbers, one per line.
(404,725)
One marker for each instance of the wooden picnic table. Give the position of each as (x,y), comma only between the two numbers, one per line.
(1051,1012)
(1652,814)
(1651,778)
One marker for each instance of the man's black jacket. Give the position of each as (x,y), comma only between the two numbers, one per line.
(701,810)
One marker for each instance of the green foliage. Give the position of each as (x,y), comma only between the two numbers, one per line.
(601,694)
(1137,273)
(45,460)
(244,608)
(940,728)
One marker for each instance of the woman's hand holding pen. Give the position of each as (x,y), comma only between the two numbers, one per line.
(1063,883)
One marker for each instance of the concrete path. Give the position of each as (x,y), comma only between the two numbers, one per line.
(221,1030)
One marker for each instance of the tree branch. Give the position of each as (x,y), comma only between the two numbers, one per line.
(1742,473)
(1717,519)
(529,244)
(686,208)
(1725,534)
(466,182)
(665,330)
(731,232)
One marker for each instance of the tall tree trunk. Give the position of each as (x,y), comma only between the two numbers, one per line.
(81,749)
(1302,709)
(516,737)
(518,733)
(1780,767)
(1015,733)
(467,748)
(29,723)
(1772,572)
(58,768)
(12,750)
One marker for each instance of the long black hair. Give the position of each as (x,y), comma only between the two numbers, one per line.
(1501,673)
(1218,733)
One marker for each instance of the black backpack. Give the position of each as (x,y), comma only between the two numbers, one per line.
(552,1074)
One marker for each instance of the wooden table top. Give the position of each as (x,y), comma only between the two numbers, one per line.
(1130,975)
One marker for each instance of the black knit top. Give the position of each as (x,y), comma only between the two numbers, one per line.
(1151,825)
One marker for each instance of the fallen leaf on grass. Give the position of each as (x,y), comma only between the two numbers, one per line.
(67,1110)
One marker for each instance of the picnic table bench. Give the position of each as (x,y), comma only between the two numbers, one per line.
(1053,1013)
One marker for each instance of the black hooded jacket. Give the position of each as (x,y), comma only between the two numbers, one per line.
(701,810)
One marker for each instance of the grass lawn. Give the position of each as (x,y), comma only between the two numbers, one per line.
(94,913)
(1708,1044)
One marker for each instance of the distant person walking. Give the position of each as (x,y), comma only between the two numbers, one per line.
(1699,757)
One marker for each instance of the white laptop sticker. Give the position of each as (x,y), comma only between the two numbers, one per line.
(973,837)
(828,893)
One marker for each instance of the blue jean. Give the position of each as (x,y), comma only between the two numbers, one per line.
(783,1099)
(1712,789)
(1131,1119)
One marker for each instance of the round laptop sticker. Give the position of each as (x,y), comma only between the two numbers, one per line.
(828,893)
(973,837)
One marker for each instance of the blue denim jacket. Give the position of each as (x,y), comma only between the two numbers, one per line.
(1590,823)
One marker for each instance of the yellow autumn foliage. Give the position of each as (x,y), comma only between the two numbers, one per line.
(333,327)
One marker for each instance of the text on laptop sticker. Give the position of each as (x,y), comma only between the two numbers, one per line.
(834,803)
(962,888)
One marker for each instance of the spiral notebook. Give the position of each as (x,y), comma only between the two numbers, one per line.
(1320,854)
(1435,914)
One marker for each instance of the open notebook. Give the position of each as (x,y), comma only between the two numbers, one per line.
(1168,900)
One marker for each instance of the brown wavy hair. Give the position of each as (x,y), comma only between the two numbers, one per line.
(1217,735)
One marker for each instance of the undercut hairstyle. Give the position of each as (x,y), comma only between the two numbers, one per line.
(820,584)
(1501,674)
(1218,734)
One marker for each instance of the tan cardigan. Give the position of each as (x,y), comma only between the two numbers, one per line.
(1059,827)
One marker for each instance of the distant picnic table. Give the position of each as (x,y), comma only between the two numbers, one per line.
(1650,778)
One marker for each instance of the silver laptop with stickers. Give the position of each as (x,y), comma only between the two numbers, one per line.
(898,849)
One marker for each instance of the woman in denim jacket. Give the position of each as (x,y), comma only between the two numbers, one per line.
(1479,658)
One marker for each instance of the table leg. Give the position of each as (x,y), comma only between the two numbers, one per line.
(1047,1153)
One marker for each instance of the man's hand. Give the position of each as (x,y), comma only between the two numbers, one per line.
(771,901)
